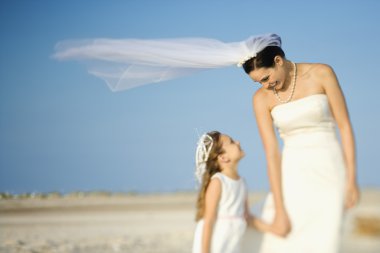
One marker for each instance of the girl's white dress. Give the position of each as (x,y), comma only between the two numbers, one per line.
(230,224)
(313,178)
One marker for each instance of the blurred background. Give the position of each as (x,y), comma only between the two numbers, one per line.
(62,129)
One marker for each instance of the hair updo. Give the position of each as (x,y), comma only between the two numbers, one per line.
(263,59)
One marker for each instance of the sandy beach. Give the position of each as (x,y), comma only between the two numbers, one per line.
(143,223)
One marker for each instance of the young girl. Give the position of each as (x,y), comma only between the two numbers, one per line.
(222,206)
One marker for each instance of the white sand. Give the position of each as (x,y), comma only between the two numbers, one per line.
(139,223)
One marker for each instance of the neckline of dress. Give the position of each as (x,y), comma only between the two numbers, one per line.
(297,100)
(232,179)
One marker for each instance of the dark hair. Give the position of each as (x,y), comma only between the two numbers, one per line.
(263,59)
(212,167)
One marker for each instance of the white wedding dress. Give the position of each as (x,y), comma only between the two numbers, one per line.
(313,178)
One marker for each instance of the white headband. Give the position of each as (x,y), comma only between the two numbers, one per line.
(128,63)
(202,153)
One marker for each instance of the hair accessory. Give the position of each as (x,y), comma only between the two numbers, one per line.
(257,44)
(248,57)
(129,63)
(202,153)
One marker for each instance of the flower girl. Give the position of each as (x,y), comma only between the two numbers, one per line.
(222,206)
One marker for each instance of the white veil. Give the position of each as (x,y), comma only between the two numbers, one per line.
(128,63)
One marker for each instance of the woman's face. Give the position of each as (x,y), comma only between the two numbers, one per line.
(270,78)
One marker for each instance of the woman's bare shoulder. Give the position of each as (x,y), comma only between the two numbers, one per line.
(317,69)
(259,94)
(262,101)
(318,74)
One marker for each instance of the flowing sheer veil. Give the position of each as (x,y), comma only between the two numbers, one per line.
(128,63)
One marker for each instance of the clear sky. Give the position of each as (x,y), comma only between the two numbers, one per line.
(62,129)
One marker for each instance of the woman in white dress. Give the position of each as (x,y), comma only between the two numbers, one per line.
(314,179)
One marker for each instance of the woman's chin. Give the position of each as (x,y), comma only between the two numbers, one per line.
(277,87)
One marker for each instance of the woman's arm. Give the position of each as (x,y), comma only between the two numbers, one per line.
(211,206)
(281,224)
(338,105)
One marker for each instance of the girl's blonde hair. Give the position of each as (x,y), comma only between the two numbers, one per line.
(212,167)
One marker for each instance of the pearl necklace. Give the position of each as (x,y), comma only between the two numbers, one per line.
(293,87)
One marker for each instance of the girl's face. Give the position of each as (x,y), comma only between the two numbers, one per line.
(270,78)
(231,148)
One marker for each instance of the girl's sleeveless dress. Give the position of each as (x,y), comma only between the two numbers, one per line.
(230,224)
(313,178)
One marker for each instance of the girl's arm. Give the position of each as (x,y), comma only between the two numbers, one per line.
(211,206)
(254,222)
(339,109)
(281,224)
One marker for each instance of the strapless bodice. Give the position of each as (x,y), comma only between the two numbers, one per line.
(310,114)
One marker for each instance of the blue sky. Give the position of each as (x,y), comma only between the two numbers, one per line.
(62,129)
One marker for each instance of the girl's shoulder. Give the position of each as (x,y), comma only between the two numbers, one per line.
(223,179)
(217,175)
(226,179)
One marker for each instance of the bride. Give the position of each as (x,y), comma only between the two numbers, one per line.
(315,177)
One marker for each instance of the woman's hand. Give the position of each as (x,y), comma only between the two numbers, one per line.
(281,225)
(352,196)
